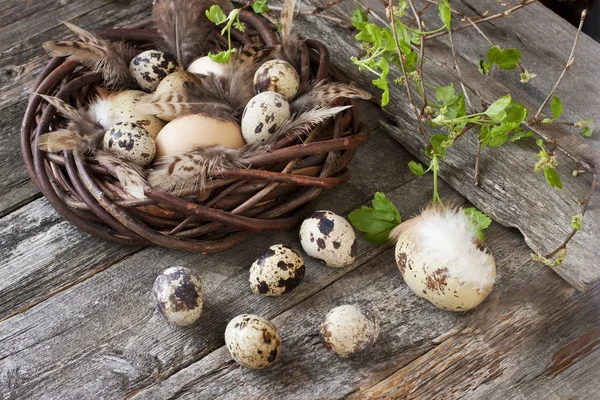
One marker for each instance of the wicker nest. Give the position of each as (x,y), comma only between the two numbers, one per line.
(275,193)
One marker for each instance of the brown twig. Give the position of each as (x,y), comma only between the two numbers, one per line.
(406,80)
(502,14)
(564,71)
(462,85)
(421,56)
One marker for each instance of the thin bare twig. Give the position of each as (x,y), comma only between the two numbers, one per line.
(421,56)
(564,71)
(502,14)
(462,85)
(412,21)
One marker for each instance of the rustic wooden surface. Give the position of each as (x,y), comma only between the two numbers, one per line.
(77,320)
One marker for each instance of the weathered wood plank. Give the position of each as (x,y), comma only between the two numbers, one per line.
(543,214)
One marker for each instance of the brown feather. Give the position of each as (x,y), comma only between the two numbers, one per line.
(82,133)
(290,41)
(301,124)
(321,94)
(130,175)
(184,29)
(109,58)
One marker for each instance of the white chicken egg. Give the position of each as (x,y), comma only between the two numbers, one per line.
(131,141)
(278,270)
(206,66)
(277,76)
(329,237)
(151,67)
(263,116)
(348,330)
(442,260)
(179,295)
(253,341)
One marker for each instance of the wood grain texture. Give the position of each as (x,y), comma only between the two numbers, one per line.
(510,192)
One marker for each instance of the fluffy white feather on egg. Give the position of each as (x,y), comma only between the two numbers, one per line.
(442,260)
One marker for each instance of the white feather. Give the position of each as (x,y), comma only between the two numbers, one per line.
(101,111)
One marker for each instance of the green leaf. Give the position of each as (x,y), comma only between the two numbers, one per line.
(516,113)
(577,222)
(411,61)
(382,82)
(416,168)
(221,57)
(587,130)
(444,13)
(496,111)
(437,144)
(499,133)
(484,135)
(485,67)
(260,6)
(359,18)
(520,133)
(556,107)
(376,222)
(216,15)
(505,59)
(552,177)
(445,94)
(479,220)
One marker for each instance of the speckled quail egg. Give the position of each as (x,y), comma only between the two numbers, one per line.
(277,76)
(206,66)
(263,116)
(131,141)
(348,330)
(175,82)
(278,270)
(151,67)
(179,295)
(122,108)
(252,341)
(442,260)
(329,237)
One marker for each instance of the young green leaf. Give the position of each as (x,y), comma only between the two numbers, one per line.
(444,12)
(416,168)
(216,15)
(552,177)
(260,6)
(556,107)
(221,57)
(359,19)
(516,113)
(376,222)
(520,133)
(480,221)
(445,94)
(484,67)
(496,111)
(505,59)
(526,76)
(577,222)
(484,135)
(587,128)
(437,145)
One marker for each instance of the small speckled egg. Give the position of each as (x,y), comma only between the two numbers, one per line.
(252,341)
(277,271)
(206,66)
(175,82)
(263,116)
(179,295)
(348,330)
(131,141)
(123,109)
(151,67)
(329,237)
(277,76)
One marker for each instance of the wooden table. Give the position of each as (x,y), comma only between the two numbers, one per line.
(77,320)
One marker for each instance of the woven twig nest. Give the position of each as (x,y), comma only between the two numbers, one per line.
(274,190)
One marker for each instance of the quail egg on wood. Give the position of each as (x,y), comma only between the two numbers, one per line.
(151,67)
(131,141)
(277,76)
(348,330)
(175,82)
(253,341)
(442,260)
(179,295)
(264,114)
(206,66)
(329,237)
(278,270)
(123,109)
(188,132)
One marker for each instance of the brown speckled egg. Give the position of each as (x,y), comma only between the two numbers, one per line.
(151,67)
(329,237)
(348,330)
(123,109)
(263,116)
(131,141)
(175,82)
(277,76)
(278,270)
(179,295)
(253,341)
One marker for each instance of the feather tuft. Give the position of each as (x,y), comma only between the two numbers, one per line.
(102,56)
(321,94)
(184,29)
(302,123)
(290,41)
(130,175)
